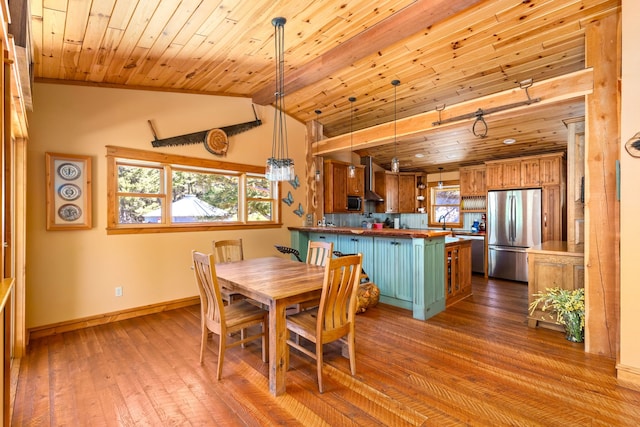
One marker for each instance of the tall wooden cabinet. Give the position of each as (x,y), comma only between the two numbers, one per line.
(457,270)
(338,185)
(387,185)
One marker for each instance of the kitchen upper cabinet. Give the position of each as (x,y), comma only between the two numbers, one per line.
(552,169)
(399,191)
(407,192)
(511,174)
(503,174)
(530,173)
(387,184)
(525,172)
(472,181)
(337,185)
(355,185)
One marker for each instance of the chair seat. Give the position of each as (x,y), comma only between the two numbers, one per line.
(241,313)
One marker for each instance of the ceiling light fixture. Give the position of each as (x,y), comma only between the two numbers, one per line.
(395,163)
(315,162)
(440,183)
(419,155)
(509,141)
(352,168)
(279,165)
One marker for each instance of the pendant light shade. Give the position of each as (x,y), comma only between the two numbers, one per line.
(318,174)
(395,163)
(352,168)
(279,165)
(440,183)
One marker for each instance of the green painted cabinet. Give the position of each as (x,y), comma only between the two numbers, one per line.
(393,266)
(353,244)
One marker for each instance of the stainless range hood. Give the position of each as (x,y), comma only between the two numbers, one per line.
(369,194)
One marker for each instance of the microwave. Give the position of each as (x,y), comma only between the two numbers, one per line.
(354,203)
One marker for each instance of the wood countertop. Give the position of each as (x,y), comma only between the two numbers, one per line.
(406,233)
(558,248)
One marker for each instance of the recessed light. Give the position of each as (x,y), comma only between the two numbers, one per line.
(419,155)
(509,141)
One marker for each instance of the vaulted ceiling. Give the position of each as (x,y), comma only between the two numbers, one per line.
(450,55)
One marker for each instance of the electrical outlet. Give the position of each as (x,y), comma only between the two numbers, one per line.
(118,291)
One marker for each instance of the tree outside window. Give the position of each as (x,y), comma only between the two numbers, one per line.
(445,205)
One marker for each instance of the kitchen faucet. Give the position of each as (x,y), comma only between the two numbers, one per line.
(443,219)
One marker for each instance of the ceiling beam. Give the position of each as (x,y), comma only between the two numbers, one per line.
(558,89)
(406,22)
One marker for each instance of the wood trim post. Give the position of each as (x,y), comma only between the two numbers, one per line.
(602,225)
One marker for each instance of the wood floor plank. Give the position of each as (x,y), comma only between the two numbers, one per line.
(477,363)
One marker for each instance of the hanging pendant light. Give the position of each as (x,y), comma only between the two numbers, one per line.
(279,165)
(440,183)
(395,163)
(318,175)
(352,168)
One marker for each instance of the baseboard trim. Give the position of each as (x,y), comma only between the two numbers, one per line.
(101,319)
(628,376)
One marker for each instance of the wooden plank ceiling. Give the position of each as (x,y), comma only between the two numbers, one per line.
(444,52)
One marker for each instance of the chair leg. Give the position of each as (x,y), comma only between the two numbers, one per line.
(319,362)
(221,347)
(351,339)
(203,342)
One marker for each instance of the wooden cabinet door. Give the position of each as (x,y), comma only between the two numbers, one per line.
(387,185)
(335,187)
(530,173)
(355,186)
(552,213)
(406,193)
(494,175)
(511,174)
(464,269)
(472,181)
(551,170)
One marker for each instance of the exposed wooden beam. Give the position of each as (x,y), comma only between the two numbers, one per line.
(402,24)
(550,91)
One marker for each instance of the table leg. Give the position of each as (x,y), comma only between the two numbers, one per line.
(277,348)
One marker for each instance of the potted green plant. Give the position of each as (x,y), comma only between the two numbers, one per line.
(569,308)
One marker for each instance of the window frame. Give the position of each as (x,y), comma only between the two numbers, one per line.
(168,162)
(433,221)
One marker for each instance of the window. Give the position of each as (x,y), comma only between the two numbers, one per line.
(152,192)
(444,205)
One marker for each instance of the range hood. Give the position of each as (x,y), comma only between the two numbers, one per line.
(369,194)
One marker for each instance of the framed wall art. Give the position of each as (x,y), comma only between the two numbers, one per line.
(68,191)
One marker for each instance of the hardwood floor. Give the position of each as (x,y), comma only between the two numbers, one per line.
(475,364)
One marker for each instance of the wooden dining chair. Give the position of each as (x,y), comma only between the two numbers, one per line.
(222,319)
(228,251)
(334,318)
(318,253)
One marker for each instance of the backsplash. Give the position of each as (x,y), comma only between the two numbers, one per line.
(415,221)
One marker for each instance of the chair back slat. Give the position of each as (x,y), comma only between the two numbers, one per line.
(227,250)
(319,253)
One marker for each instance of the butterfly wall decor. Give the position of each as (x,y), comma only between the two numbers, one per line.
(299,211)
(295,182)
(289,199)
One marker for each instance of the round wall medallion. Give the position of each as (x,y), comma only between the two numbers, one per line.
(69,171)
(69,192)
(216,142)
(69,212)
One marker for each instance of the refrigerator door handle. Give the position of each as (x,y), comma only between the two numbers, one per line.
(512,219)
(506,249)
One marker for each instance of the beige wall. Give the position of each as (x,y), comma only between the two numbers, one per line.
(629,360)
(73,274)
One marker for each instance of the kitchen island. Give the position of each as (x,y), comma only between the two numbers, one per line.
(406,264)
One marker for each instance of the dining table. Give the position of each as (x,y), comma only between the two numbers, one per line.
(277,283)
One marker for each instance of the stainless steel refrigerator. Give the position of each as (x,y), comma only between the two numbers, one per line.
(513,224)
